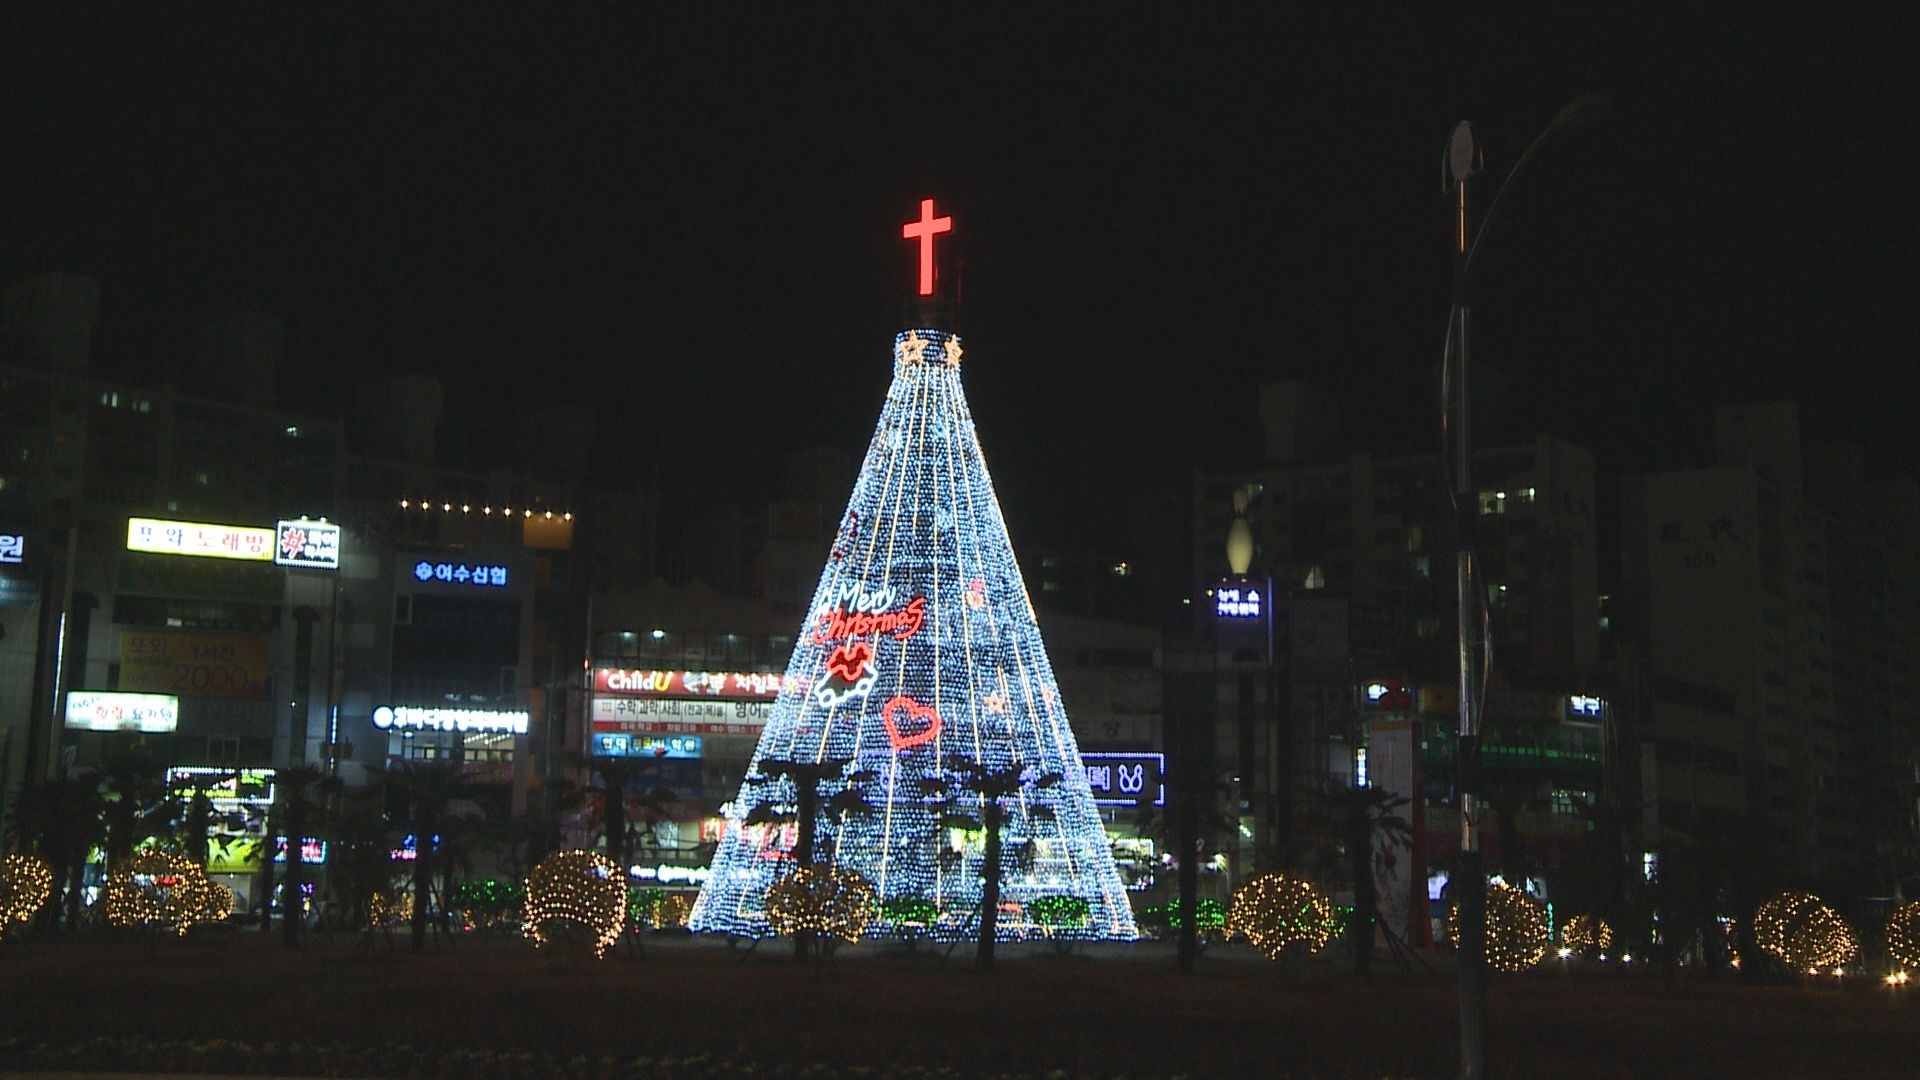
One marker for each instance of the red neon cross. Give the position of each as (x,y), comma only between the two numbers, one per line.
(925,230)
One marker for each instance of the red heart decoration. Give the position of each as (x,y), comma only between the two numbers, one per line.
(915,711)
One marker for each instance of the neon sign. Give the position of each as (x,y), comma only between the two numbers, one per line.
(1126,779)
(460,574)
(431,719)
(163,537)
(859,613)
(110,710)
(924,231)
(311,544)
(909,723)
(673,747)
(1580,705)
(1237,602)
(741,685)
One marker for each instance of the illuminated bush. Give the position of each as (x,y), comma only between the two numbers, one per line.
(219,903)
(909,914)
(1516,928)
(1903,935)
(822,899)
(579,888)
(26,881)
(1060,914)
(156,888)
(1212,917)
(1584,934)
(1275,912)
(1797,928)
(487,904)
(657,908)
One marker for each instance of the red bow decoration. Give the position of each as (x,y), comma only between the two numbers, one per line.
(849,661)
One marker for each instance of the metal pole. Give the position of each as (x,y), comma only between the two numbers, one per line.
(1469,881)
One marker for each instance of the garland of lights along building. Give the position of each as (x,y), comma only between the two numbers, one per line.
(921,658)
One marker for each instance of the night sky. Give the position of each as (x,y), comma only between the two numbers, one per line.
(690,224)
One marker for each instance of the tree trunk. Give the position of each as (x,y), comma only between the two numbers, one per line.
(266,885)
(1187,828)
(422,883)
(292,911)
(806,810)
(989,880)
(1366,902)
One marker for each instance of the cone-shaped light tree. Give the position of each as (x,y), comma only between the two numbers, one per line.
(921,655)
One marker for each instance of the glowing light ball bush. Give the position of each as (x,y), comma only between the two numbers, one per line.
(1903,935)
(1275,912)
(26,881)
(1797,928)
(1516,928)
(157,888)
(823,899)
(580,888)
(1586,933)
(219,903)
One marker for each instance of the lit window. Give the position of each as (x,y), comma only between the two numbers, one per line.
(1493,502)
(1316,578)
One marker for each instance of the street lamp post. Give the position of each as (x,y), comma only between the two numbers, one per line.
(1463,162)
(1469,878)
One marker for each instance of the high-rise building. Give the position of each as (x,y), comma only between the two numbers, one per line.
(1761,593)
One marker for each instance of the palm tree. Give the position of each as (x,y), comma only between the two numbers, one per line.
(136,803)
(1369,825)
(990,785)
(432,788)
(294,788)
(59,820)
(360,850)
(806,778)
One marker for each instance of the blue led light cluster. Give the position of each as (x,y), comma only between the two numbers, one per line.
(921,654)
(460,573)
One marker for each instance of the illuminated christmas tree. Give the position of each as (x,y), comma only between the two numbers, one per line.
(920,659)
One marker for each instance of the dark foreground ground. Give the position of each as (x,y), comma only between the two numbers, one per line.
(240,1004)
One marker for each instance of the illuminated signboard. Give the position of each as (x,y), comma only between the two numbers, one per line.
(454,573)
(674,716)
(437,719)
(112,710)
(736,685)
(1585,707)
(237,837)
(1239,601)
(200,539)
(314,545)
(189,662)
(225,788)
(1126,779)
(312,851)
(672,875)
(13,549)
(621,744)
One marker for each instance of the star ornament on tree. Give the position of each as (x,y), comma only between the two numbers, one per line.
(951,351)
(913,350)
